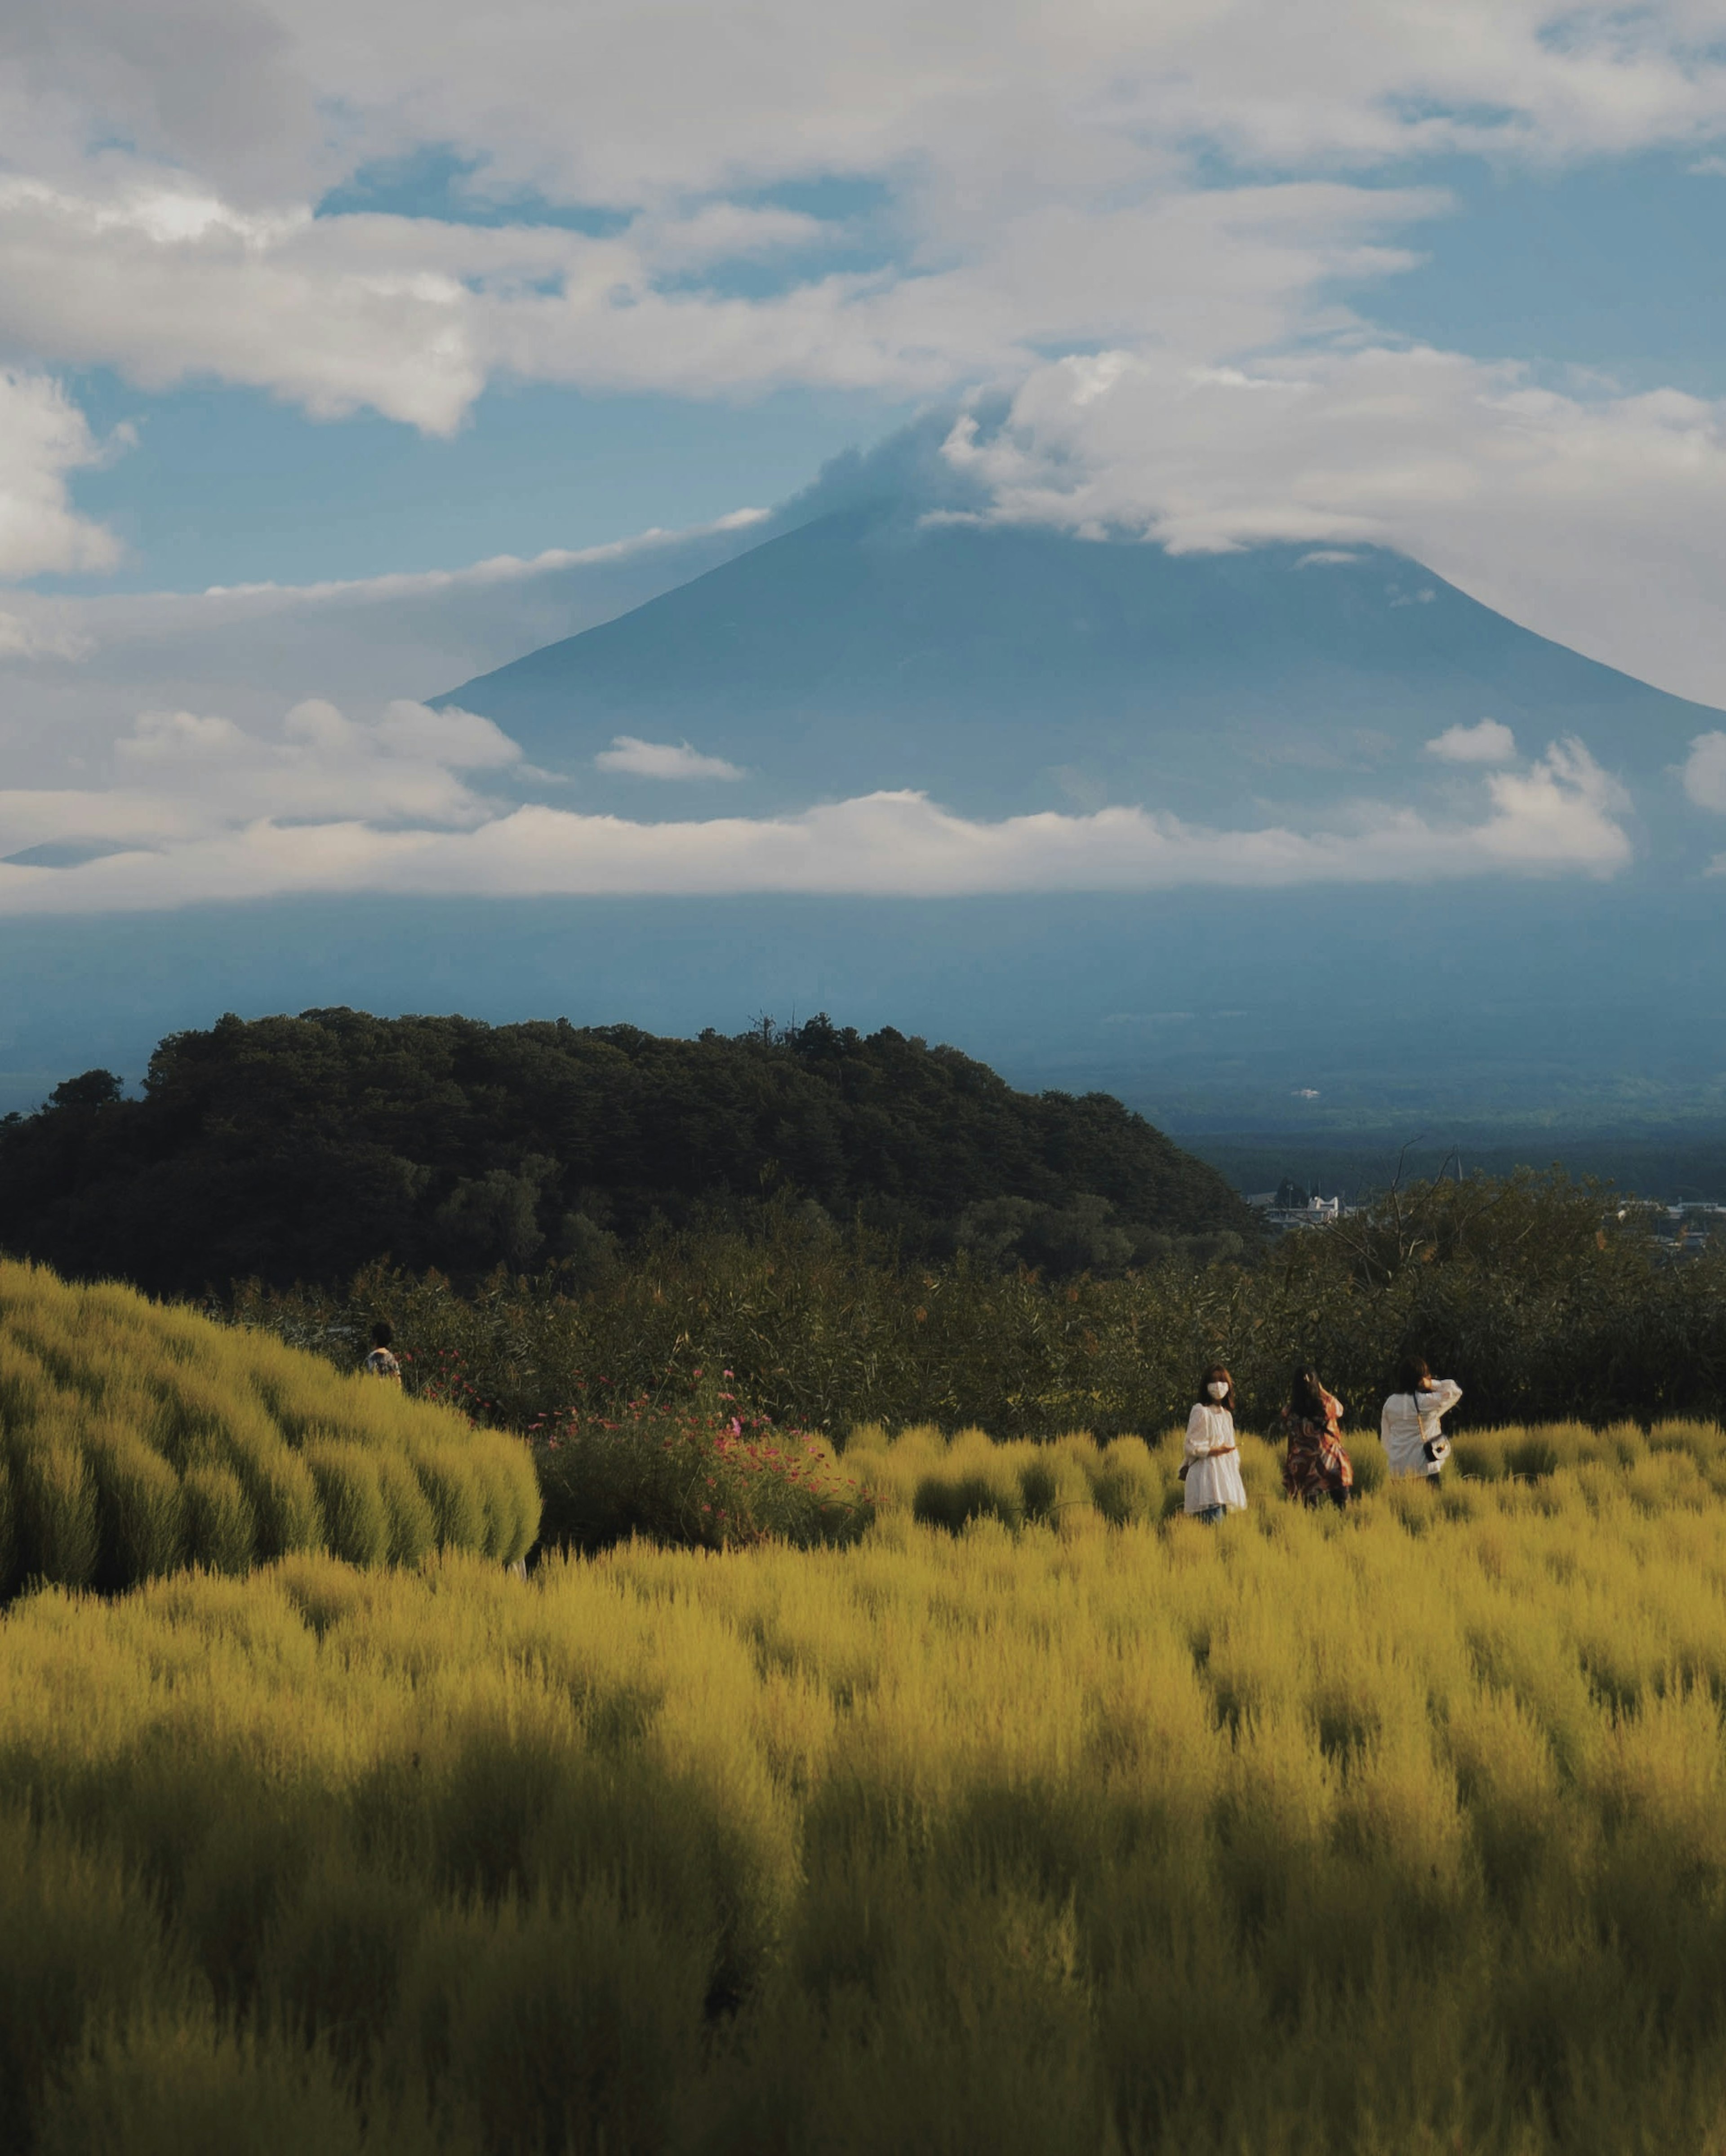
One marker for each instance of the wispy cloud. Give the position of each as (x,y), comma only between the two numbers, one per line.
(332,805)
(646,759)
(1490,741)
(68,663)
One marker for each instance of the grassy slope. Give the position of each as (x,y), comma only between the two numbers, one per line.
(1395,1832)
(136,1437)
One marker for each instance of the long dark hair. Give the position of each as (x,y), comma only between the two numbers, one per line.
(1217,1370)
(1413,1374)
(1306,1395)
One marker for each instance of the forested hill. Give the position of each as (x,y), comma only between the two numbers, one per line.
(298,1149)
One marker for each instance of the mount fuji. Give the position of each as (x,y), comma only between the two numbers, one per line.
(1005,670)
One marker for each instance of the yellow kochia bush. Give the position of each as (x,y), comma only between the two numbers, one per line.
(136,1438)
(1395,1833)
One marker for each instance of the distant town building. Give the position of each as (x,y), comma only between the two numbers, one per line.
(1290,1206)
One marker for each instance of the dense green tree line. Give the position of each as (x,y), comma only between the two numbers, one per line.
(1541,1296)
(301,1149)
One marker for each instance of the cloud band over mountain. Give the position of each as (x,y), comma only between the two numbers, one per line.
(336,806)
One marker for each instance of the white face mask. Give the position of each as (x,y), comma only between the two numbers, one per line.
(1217,1392)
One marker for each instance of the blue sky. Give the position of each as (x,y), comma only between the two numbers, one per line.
(230,486)
(352,299)
(1614,264)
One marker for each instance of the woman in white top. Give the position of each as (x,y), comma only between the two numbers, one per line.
(1414,1442)
(1212,1459)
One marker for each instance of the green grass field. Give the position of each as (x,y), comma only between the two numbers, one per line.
(1401,1831)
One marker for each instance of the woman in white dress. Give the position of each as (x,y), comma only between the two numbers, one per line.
(1415,1442)
(1211,1457)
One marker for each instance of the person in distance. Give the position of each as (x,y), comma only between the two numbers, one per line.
(1415,1442)
(1210,1465)
(381,1362)
(1317,1469)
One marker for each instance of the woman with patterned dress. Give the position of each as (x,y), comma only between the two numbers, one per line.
(1316,1468)
(1211,1460)
(382,1363)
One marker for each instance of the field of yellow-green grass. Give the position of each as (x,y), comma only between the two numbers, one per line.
(136,1437)
(950,1481)
(1398,1831)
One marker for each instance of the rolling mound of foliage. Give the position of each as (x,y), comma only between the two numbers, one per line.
(135,1439)
(1383,1834)
(298,1149)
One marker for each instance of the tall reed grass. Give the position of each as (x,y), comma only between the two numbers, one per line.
(1396,1831)
(136,1437)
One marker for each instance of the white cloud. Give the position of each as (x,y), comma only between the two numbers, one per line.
(366,819)
(646,759)
(1594,519)
(164,283)
(1035,170)
(411,317)
(1490,741)
(462,740)
(44,438)
(1705,771)
(630,98)
(185,780)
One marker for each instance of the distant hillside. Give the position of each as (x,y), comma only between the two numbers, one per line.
(298,1149)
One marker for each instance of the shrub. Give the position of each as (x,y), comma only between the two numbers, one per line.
(452,1490)
(59,1535)
(356,1517)
(221,1527)
(142,1507)
(1127,1484)
(413,1524)
(696,1476)
(134,1438)
(978,1480)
